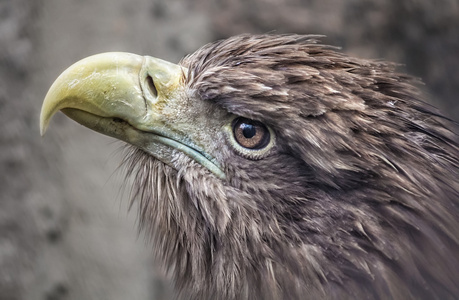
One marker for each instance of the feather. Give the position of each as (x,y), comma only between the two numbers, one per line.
(357,199)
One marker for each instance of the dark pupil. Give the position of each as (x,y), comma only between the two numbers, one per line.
(248,130)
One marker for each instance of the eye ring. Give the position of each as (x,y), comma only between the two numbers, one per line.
(250,134)
(250,138)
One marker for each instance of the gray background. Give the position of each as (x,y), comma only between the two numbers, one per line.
(65,232)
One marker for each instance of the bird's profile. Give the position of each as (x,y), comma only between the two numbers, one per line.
(274,167)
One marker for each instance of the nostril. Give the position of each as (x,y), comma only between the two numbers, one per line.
(151,86)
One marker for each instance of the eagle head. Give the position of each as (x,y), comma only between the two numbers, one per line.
(275,167)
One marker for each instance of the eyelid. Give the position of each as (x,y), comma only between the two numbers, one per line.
(253,154)
(258,141)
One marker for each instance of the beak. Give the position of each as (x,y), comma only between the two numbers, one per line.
(112,85)
(122,95)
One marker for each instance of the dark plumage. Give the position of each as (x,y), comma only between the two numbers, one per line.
(357,198)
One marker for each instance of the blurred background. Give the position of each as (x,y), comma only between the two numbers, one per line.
(65,229)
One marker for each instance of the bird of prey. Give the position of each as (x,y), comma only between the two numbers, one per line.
(276,167)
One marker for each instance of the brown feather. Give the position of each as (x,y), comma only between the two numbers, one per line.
(359,198)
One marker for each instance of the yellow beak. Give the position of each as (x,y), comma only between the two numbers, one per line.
(122,95)
(112,85)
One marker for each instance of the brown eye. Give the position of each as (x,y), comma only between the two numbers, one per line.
(250,134)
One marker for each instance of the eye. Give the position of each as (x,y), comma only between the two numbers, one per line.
(250,134)
(250,138)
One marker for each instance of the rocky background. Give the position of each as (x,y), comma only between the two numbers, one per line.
(65,232)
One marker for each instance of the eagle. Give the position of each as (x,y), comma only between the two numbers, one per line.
(276,167)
